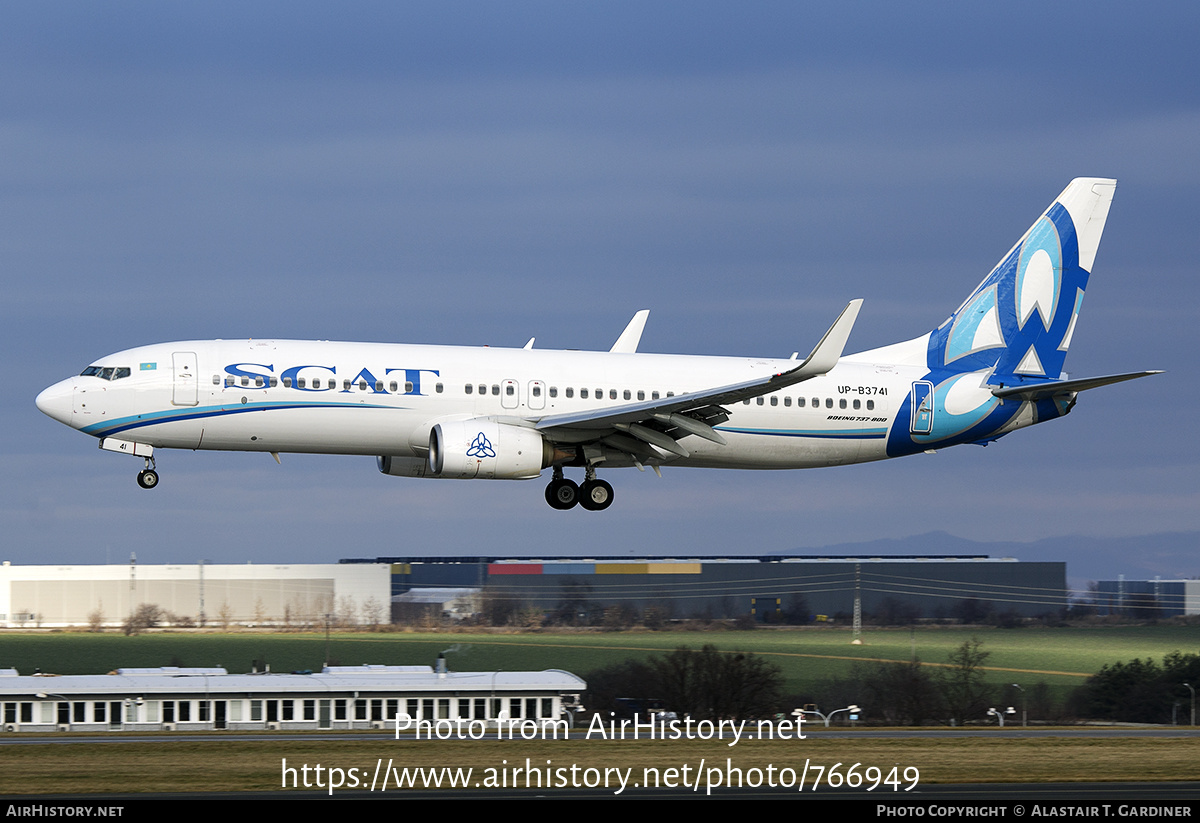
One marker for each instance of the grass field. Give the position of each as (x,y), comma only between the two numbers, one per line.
(1062,657)
(241,765)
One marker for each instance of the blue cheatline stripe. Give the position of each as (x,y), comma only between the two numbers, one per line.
(174,416)
(847,434)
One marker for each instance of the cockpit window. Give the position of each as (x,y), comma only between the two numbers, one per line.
(106,372)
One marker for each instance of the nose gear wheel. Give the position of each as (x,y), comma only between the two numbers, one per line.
(148,478)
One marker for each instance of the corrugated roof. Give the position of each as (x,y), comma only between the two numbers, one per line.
(368,681)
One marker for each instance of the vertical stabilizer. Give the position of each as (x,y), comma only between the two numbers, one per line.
(1020,320)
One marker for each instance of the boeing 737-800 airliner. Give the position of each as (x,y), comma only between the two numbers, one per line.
(994,366)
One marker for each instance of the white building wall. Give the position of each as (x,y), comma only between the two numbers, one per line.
(245,593)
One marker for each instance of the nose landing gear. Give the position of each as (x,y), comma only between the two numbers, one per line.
(562,494)
(148,478)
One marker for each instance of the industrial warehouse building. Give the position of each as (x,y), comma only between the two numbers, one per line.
(766,587)
(771,588)
(1148,598)
(340,697)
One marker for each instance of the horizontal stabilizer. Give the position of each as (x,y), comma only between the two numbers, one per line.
(1040,391)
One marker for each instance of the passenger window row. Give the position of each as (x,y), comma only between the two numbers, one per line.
(494,389)
(569,392)
(509,389)
(803,402)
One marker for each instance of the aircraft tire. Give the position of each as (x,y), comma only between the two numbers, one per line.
(562,494)
(147,478)
(596,495)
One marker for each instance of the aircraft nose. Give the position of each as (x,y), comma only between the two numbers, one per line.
(56,401)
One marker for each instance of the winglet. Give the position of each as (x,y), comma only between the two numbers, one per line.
(827,352)
(627,343)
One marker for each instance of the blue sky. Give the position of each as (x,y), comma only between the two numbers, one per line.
(482,173)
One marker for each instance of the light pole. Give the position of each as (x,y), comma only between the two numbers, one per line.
(1024,705)
(1193,691)
(827,717)
(126,705)
(999,714)
(501,714)
(328,618)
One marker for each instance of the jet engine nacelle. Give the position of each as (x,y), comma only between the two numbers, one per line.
(402,466)
(487,450)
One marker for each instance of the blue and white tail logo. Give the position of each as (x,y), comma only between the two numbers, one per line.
(1015,328)
(1020,320)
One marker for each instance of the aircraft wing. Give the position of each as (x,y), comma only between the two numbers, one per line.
(631,426)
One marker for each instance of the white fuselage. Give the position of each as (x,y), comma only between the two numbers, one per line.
(383,399)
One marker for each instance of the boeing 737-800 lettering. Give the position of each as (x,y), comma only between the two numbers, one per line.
(994,366)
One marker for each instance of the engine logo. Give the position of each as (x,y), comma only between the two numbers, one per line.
(481,447)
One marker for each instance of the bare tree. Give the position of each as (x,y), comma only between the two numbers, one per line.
(320,609)
(372,611)
(573,603)
(145,616)
(182,620)
(619,617)
(715,685)
(528,617)
(225,614)
(967,696)
(902,693)
(497,605)
(654,617)
(96,618)
(347,611)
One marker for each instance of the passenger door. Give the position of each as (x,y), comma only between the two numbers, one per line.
(186,380)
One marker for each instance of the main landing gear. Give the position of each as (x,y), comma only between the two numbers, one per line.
(594,495)
(148,477)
